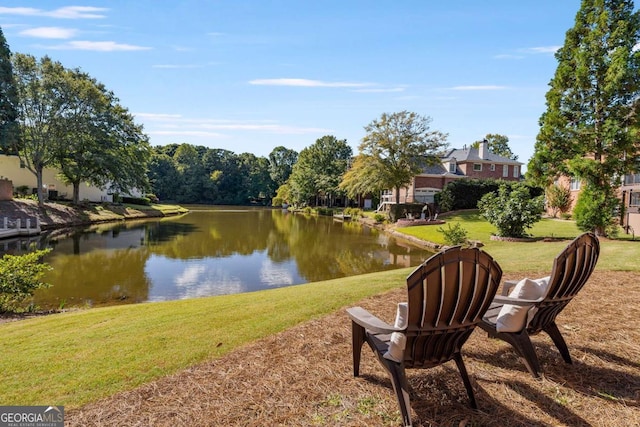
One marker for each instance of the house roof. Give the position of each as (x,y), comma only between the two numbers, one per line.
(469,154)
(440,169)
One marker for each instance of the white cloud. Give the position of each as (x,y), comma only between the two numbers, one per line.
(176,125)
(105,46)
(479,87)
(305,83)
(68,12)
(197,133)
(78,12)
(50,32)
(542,49)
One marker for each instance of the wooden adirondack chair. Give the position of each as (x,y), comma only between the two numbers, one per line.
(447,296)
(571,270)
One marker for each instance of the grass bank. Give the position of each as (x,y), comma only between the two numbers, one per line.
(616,255)
(74,358)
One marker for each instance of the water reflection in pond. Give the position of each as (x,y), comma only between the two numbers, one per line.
(212,252)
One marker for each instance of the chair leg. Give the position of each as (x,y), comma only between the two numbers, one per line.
(357,340)
(522,343)
(554,333)
(465,379)
(401,387)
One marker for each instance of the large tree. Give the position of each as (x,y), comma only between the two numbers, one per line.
(281,161)
(497,144)
(319,170)
(8,98)
(395,149)
(39,109)
(98,141)
(593,106)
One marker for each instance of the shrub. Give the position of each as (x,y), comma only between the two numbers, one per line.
(380,217)
(558,199)
(23,191)
(136,200)
(466,193)
(594,212)
(19,278)
(455,235)
(152,198)
(511,210)
(354,212)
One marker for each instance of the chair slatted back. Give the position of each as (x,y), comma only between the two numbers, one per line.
(448,295)
(571,270)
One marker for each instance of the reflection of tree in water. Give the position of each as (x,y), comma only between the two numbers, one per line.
(324,248)
(221,235)
(277,242)
(159,232)
(100,277)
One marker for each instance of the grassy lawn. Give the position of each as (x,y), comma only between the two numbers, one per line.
(79,357)
(619,254)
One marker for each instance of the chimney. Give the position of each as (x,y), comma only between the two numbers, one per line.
(483,149)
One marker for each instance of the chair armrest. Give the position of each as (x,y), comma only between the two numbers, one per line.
(367,320)
(515,301)
(507,286)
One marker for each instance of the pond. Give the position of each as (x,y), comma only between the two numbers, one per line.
(211,251)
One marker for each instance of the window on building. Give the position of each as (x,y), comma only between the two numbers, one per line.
(516,171)
(22,165)
(575,184)
(505,171)
(452,167)
(477,167)
(493,167)
(632,179)
(634,199)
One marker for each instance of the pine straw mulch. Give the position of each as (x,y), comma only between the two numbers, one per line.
(303,377)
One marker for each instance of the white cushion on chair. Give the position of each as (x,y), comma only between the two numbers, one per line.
(513,318)
(398,339)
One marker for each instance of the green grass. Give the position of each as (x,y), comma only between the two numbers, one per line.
(531,256)
(79,357)
(74,358)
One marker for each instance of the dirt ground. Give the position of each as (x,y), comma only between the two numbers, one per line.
(303,377)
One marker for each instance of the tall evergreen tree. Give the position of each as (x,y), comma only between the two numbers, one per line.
(589,129)
(8,99)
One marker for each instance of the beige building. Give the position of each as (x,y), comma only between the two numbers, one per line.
(11,169)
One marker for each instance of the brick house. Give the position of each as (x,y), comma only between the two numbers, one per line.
(478,163)
(629,193)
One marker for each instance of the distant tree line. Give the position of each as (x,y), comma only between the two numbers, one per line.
(185,173)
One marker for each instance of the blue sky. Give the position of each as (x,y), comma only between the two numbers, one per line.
(251,75)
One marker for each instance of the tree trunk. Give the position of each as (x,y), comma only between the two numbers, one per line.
(397,195)
(76,193)
(40,192)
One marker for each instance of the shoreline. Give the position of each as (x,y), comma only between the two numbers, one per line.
(58,215)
